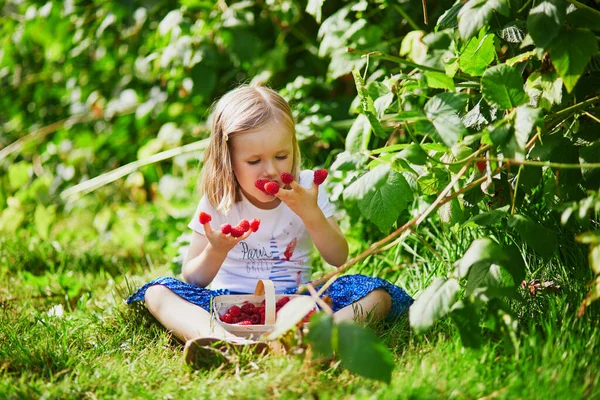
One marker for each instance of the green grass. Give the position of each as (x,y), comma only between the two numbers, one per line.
(101,348)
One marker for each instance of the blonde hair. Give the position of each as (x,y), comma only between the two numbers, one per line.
(240,110)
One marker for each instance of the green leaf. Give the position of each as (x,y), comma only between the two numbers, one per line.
(477,13)
(11,218)
(582,18)
(545,20)
(320,335)
(382,194)
(594,258)
(414,154)
(570,52)
(484,277)
(477,54)
(18,174)
(466,319)
(502,86)
(544,89)
(542,240)
(439,80)
(486,218)
(362,353)
(367,105)
(434,303)
(359,135)
(43,219)
(442,110)
(526,118)
(480,251)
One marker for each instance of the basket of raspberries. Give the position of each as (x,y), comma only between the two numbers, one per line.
(251,315)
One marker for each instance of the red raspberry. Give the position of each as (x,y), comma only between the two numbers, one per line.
(243,316)
(255,319)
(260,184)
(320,176)
(225,229)
(262,319)
(254,224)
(287,178)
(244,225)
(272,187)
(235,320)
(282,301)
(249,308)
(237,232)
(480,166)
(245,322)
(228,318)
(235,311)
(204,218)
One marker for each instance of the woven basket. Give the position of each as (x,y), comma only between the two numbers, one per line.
(265,290)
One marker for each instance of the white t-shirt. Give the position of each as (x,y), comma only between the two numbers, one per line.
(278,251)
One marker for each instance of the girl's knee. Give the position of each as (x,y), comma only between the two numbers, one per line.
(383,299)
(154,296)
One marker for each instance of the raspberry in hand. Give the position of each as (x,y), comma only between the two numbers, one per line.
(287,178)
(254,224)
(204,218)
(272,188)
(226,229)
(320,176)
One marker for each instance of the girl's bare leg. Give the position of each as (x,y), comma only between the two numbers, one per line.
(182,318)
(376,305)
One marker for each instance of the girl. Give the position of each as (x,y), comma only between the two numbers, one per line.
(253,138)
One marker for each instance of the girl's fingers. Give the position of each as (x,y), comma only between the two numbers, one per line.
(294,186)
(208,229)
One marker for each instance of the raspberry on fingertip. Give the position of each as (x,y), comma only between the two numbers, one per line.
(204,218)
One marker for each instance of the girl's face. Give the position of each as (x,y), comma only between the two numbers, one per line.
(262,153)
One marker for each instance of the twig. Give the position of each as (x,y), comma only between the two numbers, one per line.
(315,296)
(404,229)
(407,17)
(101,180)
(542,163)
(39,134)
(425,15)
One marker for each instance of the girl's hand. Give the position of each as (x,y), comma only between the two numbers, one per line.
(222,242)
(301,200)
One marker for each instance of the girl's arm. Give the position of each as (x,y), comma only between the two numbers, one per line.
(202,261)
(206,255)
(328,238)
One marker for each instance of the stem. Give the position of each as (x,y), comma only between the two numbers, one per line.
(39,134)
(101,180)
(514,196)
(315,296)
(425,15)
(585,7)
(388,57)
(407,17)
(542,163)
(575,107)
(404,229)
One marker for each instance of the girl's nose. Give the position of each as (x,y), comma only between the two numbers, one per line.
(270,169)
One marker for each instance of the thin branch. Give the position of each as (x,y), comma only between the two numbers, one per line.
(407,17)
(542,163)
(101,180)
(17,145)
(403,230)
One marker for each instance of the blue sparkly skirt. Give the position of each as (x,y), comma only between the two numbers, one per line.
(344,291)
